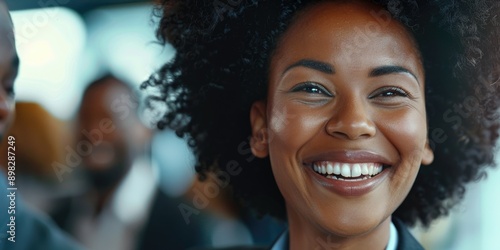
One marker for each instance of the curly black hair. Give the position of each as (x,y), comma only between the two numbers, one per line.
(223,49)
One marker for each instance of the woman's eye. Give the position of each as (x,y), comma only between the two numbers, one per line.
(390,92)
(312,88)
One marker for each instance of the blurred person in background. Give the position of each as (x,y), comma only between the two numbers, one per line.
(122,207)
(20,228)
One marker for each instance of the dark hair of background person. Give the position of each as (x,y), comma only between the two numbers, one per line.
(221,67)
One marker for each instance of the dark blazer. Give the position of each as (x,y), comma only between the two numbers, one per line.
(406,241)
(165,227)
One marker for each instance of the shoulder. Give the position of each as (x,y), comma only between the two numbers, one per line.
(34,230)
(165,211)
(38,232)
(406,241)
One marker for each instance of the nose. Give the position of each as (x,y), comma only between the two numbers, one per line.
(350,121)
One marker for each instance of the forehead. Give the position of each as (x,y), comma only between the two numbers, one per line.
(342,32)
(100,99)
(94,105)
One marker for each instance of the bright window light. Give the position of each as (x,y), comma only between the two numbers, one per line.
(122,39)
(49,43)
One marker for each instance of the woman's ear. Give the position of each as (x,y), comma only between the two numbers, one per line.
(428,154)
(258,122)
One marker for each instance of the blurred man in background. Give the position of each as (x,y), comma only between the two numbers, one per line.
(20,228)
(122,207)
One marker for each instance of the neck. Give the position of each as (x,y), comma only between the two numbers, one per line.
(304,234)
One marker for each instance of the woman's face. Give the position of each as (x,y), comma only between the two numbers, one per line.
(344,123)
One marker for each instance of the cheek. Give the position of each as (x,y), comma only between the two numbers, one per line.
(407,132)
(292,126)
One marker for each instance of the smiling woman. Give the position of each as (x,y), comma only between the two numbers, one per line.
(332,107)
(350,116)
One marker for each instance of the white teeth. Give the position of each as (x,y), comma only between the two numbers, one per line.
(332,177)
(364,168)
(356,170)
(329,168)
(336,168)
(345,170)
(338,171)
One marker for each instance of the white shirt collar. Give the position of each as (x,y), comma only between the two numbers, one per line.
(120,221)
(134,195)
(282,242)
(393,238)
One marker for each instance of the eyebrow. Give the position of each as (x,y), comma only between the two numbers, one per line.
(312,64)
(391,69)
(329,69)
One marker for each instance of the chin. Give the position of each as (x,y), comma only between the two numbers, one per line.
(352,225)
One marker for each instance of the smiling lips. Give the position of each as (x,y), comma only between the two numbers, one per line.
(347,171)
